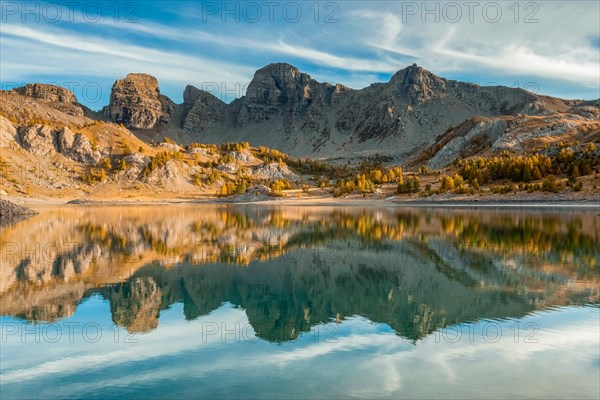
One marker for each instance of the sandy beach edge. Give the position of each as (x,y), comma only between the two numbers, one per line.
(514,202)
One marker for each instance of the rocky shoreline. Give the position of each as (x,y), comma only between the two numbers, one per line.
(11,212)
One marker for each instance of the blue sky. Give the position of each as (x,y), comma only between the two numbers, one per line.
(550,47)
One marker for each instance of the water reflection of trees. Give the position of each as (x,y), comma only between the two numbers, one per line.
(415,270)
(547,238)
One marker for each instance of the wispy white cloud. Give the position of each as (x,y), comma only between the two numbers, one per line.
(362,360)
(519,60)
(557,47)
(273,47)
(66,52)
(330,60)
(366,43)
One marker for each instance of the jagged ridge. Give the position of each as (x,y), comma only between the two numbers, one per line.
(288,110)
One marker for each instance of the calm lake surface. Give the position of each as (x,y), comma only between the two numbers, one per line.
(208,301)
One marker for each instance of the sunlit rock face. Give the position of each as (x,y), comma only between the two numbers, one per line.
(49,93)
(56,97)
(136,102)
(43,140)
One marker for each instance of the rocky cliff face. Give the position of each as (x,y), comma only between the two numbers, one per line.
(281,91)
(55,96)
(48,93)
(137,103)
(201,111)
(286,109)
(46,141)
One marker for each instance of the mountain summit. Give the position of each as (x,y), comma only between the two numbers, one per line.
(137,103)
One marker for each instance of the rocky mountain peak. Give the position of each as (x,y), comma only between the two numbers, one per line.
(418,84)
(281,70)
(413,73)
(136,102)
(275,90)
(139,84)
(47,93)
(201,110)
(191,94)
(53,96)
(278,82)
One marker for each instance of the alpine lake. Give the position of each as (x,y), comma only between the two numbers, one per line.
(278,301)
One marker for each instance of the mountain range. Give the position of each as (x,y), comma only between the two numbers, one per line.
(144,144)
(286,109)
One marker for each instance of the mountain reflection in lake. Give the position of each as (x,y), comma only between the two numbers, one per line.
(386,288)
